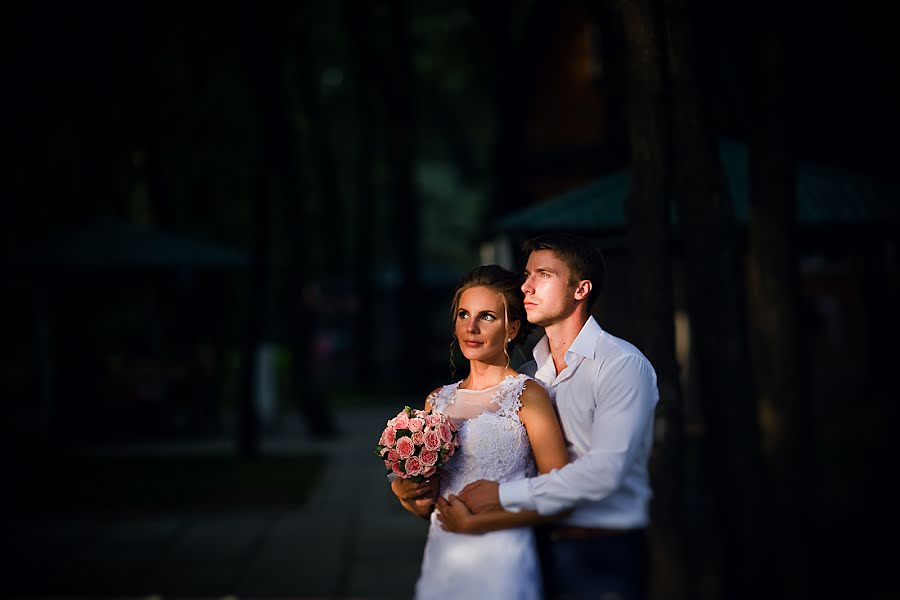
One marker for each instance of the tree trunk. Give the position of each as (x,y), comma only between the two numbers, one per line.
(358,17)
(716,300)
(407,210)
(509,69)
(303,305)
(328,235)
(774,297)
(261,56)
(647,222)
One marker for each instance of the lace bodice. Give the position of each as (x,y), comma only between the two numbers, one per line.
(493,443)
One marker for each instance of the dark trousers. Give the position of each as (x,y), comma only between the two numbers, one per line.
(613,567)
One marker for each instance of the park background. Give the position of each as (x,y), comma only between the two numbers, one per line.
(230,223)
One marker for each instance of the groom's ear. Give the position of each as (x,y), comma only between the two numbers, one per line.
(583,289)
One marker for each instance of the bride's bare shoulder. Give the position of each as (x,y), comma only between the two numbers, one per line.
(534,392)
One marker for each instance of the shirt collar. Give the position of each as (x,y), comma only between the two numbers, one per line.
(541,351)
(585,343)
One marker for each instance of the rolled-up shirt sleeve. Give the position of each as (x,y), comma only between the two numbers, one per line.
(625,397)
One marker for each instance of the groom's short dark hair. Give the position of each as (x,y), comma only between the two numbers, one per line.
(580,255)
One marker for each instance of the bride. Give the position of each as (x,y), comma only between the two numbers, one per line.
(507,430)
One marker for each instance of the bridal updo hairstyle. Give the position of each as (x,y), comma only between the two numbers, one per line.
(508,284)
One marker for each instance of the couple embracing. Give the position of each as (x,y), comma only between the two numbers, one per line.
(548,494)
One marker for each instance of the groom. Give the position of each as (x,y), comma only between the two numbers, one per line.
(605,393)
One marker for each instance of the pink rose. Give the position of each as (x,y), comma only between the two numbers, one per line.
(416,424)
(432,440)
(397,470)
(402,421)
(389,465)
(393,456)
(429,457)
(413,466)
(429,471)
(418,438)
(433,419)
(405,447)
(446,432)
(389,437)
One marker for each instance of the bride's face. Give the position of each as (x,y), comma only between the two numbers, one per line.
(481,327)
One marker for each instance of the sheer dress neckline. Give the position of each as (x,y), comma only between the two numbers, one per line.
(490,387)
(503,398)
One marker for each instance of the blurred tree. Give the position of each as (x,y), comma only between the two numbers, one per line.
(279,165)
(398,90)
(504,49)
(329,234)
(647,213)
(264,57)
(302,306)
(778,367)
(357,18)
(715,277)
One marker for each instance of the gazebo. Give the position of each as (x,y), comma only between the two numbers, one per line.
(138,300)
(826,196)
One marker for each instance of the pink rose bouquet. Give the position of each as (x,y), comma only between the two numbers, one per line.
(416,443)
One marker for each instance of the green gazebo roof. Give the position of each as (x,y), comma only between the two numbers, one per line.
(825,196)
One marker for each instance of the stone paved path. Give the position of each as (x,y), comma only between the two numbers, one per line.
(351,540)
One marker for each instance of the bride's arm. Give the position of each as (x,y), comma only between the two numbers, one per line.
(544,433)
(549,449)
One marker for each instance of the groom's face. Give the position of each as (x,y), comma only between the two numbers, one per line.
(549,289)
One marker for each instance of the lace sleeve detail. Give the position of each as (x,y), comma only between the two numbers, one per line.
(442,397)
(509,396)
(434,399)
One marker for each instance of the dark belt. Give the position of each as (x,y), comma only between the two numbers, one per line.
(564,532)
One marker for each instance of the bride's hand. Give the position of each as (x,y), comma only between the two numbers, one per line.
(417,498)
(422,494)
(454,515)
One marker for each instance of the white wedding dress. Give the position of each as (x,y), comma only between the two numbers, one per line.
(493,445)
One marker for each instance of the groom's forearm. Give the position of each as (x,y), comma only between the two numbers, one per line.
(497,520)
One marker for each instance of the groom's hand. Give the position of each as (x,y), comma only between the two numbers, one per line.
(481,496)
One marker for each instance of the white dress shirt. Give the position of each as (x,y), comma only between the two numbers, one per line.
(605,398)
